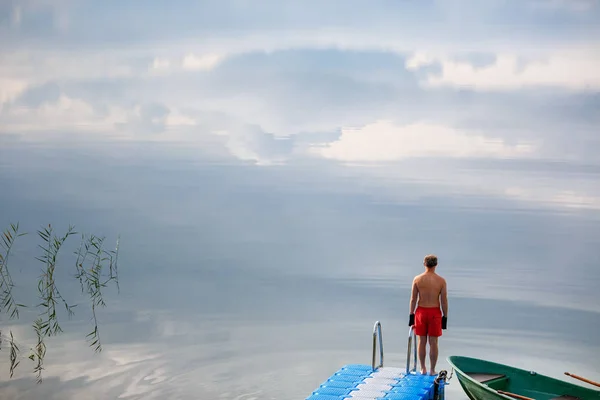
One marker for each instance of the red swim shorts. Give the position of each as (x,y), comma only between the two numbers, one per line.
(428,321)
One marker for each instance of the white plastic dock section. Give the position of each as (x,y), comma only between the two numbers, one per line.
(360,382)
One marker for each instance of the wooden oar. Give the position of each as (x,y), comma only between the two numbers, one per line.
(582,379)
(516,396)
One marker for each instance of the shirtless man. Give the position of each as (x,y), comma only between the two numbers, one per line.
(428,320)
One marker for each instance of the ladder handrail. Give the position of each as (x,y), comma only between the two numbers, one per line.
(412,337)
(377,332)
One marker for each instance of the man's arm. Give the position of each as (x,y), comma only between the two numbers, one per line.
(444,299)
(413,296)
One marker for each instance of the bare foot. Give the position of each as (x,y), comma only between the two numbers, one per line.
(432,372)
(423,371)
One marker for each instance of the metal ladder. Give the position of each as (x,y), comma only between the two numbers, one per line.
(412,340)
(440,381)
(376,333)
(411,350)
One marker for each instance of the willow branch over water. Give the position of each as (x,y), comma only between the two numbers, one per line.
(7,301)
(95,268)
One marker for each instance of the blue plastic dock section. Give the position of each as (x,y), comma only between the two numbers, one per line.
(356,381)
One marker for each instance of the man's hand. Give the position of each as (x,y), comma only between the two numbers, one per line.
(444,322)
(411,319)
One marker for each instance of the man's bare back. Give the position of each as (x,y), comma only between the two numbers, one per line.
(430,287)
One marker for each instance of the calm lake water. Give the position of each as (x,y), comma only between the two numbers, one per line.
(240,281)
(276,172)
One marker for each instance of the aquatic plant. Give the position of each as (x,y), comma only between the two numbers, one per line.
(95,268)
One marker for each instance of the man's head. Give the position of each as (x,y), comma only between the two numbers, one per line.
(430,261)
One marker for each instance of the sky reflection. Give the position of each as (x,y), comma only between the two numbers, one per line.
(278,170)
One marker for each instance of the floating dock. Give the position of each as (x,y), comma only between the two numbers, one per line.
(370,382)
(361,382)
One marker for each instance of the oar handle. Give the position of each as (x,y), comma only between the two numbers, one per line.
(582,379)
(516,396)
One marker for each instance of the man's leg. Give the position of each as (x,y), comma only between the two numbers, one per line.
(433,353)
(423,353)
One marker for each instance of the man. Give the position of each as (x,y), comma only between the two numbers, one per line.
(429,289)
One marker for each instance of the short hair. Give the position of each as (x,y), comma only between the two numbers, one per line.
(430,261)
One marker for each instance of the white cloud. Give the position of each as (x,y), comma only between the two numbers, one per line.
(66,112)
(253,144)
(418,60)
(10,89)
(203,62)
(384,141)
(25,69)
(188,62)
(176,118)
(577,70)
(160,64)
(569,198)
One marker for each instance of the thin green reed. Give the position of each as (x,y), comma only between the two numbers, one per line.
(95,268)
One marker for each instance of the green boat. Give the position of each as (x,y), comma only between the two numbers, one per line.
(486,380)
